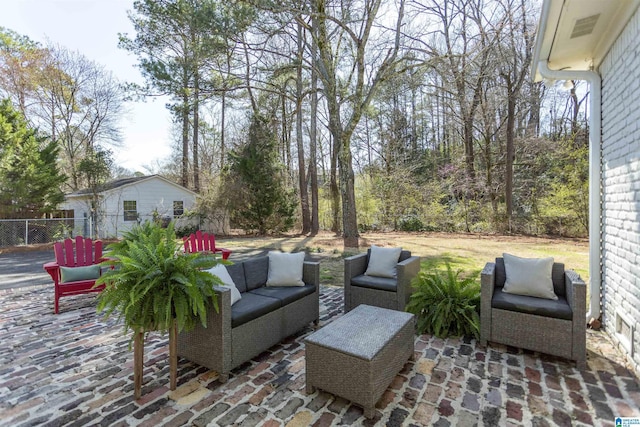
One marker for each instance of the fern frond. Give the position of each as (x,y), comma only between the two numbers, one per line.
(446,302)
(152,282)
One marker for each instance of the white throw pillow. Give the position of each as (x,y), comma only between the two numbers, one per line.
(285,269)
(221,271)
(383,261)
(528,276)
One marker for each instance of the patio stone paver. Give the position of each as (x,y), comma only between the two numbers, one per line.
(75,369)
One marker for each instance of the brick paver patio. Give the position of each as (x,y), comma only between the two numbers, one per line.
(75,369)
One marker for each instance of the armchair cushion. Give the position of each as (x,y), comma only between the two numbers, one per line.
(373,282)
(529,276)
(383,261)
(557,309)
(221,272)
(285,269)
(78,274)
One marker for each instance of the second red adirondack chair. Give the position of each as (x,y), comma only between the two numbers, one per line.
(203,242)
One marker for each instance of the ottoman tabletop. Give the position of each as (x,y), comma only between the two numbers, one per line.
(362,332)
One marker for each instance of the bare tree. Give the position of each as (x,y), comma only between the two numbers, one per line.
(515,60)
(349,81)
(82,104)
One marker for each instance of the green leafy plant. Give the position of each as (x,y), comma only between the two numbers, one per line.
(151,284)
(445,303)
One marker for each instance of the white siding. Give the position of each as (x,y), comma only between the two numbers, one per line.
(151,195)
(621,189)
(81,212)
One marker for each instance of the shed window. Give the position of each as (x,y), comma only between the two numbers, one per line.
(130,209)
(178,208)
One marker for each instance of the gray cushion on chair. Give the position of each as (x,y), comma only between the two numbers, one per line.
(286,294)
(558,309)
(403,256)
(236,271)
(557,276)
(251,307)
(256,271)
(373,282)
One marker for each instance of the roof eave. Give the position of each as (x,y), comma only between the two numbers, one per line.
(561,50)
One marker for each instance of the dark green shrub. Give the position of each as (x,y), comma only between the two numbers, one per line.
(446,304)
(410,223)
(255,186)
(186,230)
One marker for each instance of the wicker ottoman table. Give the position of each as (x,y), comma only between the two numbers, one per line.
(358,355)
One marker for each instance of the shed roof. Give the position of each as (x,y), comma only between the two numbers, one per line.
(123,182)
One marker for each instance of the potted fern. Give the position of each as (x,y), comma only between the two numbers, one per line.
(152,286)
(446,303)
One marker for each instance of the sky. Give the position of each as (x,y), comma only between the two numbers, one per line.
(91,27)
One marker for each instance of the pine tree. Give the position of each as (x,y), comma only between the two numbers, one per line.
(29,176)
(255,184)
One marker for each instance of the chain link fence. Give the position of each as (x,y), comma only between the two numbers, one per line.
(16,232)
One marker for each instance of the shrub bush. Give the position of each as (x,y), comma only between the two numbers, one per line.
(410,223)
(446,304)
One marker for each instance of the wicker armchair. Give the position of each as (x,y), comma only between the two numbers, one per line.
(378,291)
(556,327)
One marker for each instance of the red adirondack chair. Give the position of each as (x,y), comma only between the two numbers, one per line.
(75,272)
(203,242)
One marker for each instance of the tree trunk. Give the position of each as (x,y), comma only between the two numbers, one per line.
(335,190)
(222,128)
(184,111)
(508,173)
(196,128)
(347,191)
(313,140)
(302,178)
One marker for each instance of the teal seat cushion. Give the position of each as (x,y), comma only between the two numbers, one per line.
(79,274)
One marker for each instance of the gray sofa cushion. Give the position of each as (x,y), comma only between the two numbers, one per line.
(557,276)
(286,294)
(252,306)
(256,271)
(236,271)
(374,282)
(558,309)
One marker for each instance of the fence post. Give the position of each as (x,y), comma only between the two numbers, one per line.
(26,231)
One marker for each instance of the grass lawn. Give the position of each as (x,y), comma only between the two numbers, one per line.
(468,252)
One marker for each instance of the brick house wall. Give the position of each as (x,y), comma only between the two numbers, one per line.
(620,71)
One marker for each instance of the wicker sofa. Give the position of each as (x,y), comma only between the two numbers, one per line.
(260,319)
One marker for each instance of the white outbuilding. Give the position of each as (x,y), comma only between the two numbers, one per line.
(128,201)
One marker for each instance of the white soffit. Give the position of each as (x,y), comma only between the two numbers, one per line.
(579,33)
